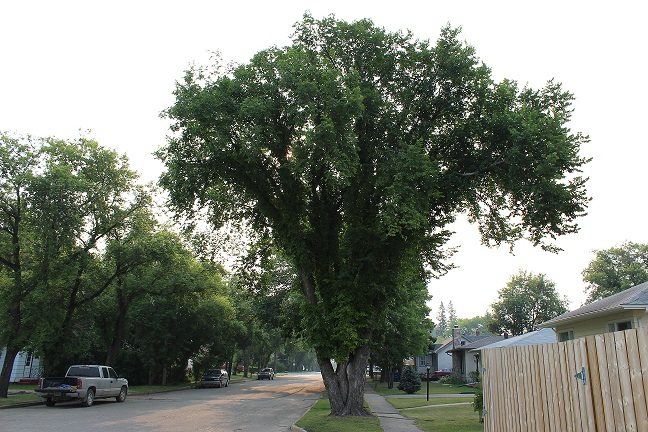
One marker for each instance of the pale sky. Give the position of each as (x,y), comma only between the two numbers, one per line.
(110,67)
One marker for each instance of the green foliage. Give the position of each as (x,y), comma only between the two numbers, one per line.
(475,324)
(616,269)
(474,376)
(410,381)
(527,300)
(354,148)
(454,379)
(442,322)
(478,402)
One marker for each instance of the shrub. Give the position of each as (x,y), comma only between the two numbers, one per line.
(452,379)
(478,402)
(410,382)
(473,377)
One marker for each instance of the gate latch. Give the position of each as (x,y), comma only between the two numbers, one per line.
(581,376)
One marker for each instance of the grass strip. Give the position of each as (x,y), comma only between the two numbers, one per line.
(318,419)
(400,403)
(446,418)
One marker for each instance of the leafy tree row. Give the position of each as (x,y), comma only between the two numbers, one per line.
(88,275)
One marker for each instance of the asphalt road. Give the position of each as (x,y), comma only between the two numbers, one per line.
(252,406)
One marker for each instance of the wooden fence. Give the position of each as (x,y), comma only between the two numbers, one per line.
(598,383)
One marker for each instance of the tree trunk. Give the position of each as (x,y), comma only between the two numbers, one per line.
(119,332)
(246,361)
(345,384)
(164,375)
(151,376)
(7,367)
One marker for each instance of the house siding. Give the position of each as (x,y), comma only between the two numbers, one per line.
(598,325)
(25,366)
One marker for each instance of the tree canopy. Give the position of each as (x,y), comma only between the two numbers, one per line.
(353,148)
(616,269)
(526,301)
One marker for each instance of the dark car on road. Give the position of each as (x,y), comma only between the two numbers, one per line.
(266,373)
(214,378)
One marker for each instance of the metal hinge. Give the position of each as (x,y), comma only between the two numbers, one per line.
(582,375)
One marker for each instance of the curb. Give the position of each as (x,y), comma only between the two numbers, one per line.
(36,403)
(295,428)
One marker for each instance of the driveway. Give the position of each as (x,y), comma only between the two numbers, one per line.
(263,406)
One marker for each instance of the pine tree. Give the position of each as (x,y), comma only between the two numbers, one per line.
(442,324)
(410,381)
(452,316)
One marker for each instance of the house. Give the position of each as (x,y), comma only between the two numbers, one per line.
(625,310)
(436,358)
(463,360)
(26,366)
(440,356)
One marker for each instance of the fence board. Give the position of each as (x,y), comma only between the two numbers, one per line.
(560,421)
(606,387)
(642,341)
(587,400)
(615,385)
(574,385)
(557,412)
(595,378)
(567,390)
(638,395)
(539,396)
(529,402)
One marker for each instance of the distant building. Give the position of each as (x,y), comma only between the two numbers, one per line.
(26,366)
(464,359)
(440,357)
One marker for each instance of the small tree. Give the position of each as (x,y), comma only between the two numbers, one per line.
(526,301)
(410,381)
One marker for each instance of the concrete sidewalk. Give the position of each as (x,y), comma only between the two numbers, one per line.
(390,419)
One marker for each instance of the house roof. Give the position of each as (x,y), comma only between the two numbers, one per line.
(482,341)
(538,337)
(632,298)
(468,339)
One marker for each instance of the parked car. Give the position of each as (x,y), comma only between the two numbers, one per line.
(266,373)
(85,383)
(214,378)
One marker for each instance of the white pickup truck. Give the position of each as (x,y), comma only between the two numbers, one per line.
(85,383)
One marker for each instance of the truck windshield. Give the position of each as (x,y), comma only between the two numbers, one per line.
(84,371)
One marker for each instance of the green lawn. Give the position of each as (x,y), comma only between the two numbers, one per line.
(458,418)
(14,399)
(435,388)
(317,419)
(400,403)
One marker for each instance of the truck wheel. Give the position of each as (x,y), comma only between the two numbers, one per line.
(122,394)
(89,399)
(50,402)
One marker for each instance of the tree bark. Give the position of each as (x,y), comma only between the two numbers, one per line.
(7,367)
(345,384)
(119,332)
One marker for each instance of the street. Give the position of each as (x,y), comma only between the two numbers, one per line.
(263,406)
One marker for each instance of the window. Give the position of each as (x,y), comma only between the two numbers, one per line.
(105,372)
(112,373)
(565,336)
(620,326)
